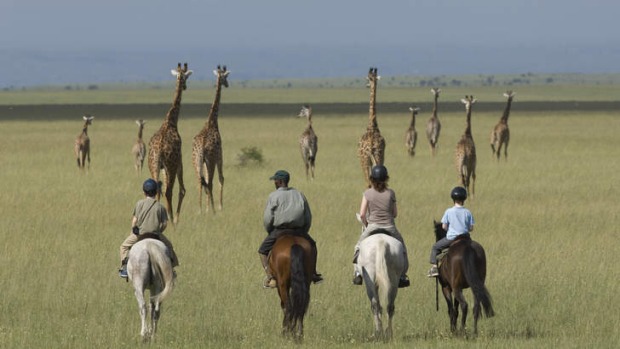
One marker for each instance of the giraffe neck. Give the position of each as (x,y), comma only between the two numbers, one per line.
(215,107)
(468,126)
(435,105)
(412,125)
(172,117)
(140,132)
(372,110)
(507,111)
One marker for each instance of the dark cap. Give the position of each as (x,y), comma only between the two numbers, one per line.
(280,174)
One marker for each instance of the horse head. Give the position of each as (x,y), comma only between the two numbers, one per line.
(440,232)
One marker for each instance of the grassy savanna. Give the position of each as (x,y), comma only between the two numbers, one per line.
(547,218)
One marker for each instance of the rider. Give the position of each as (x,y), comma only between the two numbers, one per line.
(287,212)
(149,216)
(377,211)
(458,221)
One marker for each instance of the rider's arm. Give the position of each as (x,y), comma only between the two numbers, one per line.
(364,210)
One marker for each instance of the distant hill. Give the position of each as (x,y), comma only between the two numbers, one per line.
(26,68)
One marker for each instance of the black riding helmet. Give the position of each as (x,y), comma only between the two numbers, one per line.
(458,194)
(150,186)
(379,173)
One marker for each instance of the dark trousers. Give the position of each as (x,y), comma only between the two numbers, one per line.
(270,240)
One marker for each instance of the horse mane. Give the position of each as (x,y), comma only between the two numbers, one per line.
(440,232)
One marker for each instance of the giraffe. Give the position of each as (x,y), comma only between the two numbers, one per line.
(207,146)
(433,126)
(139,148)
(371,147)
(465,155)
(165,147)
(411,136)
(500,135)
(82,143)
(308,141)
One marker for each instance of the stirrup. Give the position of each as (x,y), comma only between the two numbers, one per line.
(267,282)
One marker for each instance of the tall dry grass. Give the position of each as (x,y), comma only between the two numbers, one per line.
(547,218)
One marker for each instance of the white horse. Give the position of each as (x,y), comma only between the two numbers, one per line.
(381,263)
(149,266)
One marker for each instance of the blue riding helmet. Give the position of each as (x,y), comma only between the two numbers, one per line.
(150,186)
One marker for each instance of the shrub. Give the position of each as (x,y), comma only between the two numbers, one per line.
(250,155)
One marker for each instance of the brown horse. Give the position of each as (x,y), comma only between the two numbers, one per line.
(463,266)
(292,263)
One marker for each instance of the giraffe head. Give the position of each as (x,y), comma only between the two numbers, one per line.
(372,76)
(435,91)
(88,120)
(306,111)
(468,101)
(222,75)
(140,123)
(509,94)
(182,74)
(414,110)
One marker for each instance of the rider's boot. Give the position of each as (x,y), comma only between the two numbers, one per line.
(269,281)
(122,272)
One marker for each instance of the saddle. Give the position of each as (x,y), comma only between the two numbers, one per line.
(148,236)
(444,252)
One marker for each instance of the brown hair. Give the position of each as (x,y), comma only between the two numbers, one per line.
(379,185)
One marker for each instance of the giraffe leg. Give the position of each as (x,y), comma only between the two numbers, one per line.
(220,172)
(209,185)
(169,181)
(181,190)
(199,168)
(506,151)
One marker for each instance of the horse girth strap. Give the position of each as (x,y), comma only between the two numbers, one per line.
(148,236)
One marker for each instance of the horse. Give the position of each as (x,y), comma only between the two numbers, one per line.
(381,263)
(149,266)
(464,266)
(292,264)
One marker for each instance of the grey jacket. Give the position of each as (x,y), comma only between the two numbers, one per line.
(287,208)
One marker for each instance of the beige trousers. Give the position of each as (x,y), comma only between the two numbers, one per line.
(133,238)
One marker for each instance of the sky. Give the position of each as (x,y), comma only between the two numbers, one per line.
(306,26)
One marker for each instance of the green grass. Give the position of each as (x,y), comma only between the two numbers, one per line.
(547,218)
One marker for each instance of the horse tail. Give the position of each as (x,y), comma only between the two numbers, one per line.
(475,282)
(299,293)
(382,276)
(161,267)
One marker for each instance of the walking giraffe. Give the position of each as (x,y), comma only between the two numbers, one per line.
(139,148)
(411,136)
(500,136)
(165,147)
(308,141)
(207,146)
(82,143)
(465,156)
(433,126)
(371,147)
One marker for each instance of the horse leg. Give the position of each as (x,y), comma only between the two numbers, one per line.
(390,313)
(447,293)
(155,313)
(460,298)
(139,292)
(376,310)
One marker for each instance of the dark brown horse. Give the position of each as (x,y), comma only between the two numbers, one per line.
(464,266)
(292,264)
